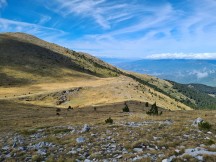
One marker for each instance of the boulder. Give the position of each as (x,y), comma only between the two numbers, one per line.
(197,121)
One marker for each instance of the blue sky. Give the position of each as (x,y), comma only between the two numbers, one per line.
(118,28)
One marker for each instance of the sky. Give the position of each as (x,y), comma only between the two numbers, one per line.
(118,28)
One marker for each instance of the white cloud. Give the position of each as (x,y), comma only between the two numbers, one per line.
(182,56)
(204,73)
(200,74)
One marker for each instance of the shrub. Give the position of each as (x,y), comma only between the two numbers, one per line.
(126,108)
(109,120)
(69,108)
(204,125)
(58,110)
(95,108)
(210,142)
(147,104)
(153,110)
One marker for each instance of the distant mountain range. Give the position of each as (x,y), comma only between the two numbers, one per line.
(179,70)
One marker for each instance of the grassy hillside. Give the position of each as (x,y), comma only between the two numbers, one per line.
(26,59)
(36,72)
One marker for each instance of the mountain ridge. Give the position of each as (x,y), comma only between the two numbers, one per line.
(43,67)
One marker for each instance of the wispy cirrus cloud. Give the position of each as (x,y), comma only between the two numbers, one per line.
(104,13)
(44,19)
(45,32)
(155,28)
(136,28)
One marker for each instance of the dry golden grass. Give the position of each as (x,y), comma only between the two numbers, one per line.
(95,91)
(27,119)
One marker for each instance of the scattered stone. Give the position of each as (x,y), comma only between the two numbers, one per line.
(41,152)
(177,151)
(119,157)
(198,151)
(213,146)
(5,148)
(168,122)
(137,158)
(80,140)
(72,152)
(87,160)
(138,149)
(86,128)
(169,159)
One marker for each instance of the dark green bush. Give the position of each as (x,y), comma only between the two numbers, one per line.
(210,142)
(126,108)
(204,125)
(153,110)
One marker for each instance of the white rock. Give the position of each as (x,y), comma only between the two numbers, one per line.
(198,151)
(213,146)
(119,157)
(80,140)
(41,152)
(138,149)
(6,148)
(197,121)
(87,160)
(177,151)
(169,159)
(86,128)
(72,152)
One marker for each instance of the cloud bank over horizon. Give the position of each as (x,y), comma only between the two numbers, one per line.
(144,29)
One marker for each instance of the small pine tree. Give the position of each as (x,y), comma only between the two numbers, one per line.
(147,104)
(126,108)
(69,108)
(109,120)
(153,110)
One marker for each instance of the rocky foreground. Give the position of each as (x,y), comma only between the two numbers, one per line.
(148,140)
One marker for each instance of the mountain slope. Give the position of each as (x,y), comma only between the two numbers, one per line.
(27,59)
(204,88)
(37,72)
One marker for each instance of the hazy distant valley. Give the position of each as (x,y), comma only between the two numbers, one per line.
(179,70)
